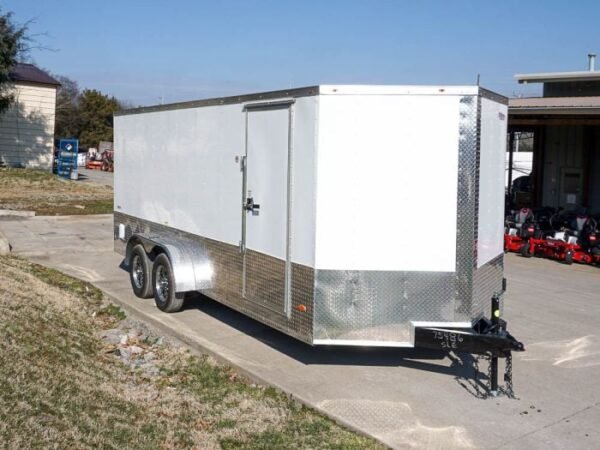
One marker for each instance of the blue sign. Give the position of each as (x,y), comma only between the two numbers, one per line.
(67,157)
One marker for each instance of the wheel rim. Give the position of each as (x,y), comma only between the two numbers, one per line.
(137,272)
(161,287)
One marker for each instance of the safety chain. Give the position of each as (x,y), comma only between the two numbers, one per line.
(508,379)
(506,390)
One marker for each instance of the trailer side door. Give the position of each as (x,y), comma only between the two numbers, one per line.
(266,209)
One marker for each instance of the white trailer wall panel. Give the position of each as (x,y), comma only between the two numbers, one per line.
(181,169)
(387,183)
(182,172)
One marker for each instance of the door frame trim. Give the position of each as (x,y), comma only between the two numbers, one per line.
(269,104)
(253,107)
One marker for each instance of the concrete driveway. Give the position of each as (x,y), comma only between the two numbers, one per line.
(96,176)
(406,399)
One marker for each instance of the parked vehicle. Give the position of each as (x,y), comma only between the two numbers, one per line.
(573,238)
(524,225)
(518,228)
(290,207)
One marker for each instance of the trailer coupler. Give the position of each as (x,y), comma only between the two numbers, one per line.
(487,337)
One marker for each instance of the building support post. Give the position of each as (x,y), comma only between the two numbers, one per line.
(511,148)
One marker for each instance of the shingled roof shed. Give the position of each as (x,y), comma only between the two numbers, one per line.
(27,127)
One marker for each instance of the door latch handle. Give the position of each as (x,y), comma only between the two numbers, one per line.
(250,206)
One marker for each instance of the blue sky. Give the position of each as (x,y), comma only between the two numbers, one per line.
(141,51)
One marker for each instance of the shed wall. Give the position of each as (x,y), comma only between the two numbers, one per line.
(27,128)
(564,149)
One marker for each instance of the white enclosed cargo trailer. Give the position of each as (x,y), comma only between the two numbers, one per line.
(348,215)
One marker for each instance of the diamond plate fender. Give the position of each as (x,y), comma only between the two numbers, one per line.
(192,267)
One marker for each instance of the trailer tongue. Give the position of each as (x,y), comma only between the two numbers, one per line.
(488,337)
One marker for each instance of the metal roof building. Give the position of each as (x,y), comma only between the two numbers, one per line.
(565,123)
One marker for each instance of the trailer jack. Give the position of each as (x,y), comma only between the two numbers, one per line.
(488,337)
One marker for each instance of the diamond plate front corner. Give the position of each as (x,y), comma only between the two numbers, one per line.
(378,306)
(466,198)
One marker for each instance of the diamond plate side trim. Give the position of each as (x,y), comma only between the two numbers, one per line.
(265,281)
(227,280)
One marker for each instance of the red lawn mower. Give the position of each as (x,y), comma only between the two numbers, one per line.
(573,240)
(589,243)
(518,228)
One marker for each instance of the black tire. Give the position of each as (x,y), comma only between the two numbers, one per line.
(569,258)
(525,252)
(167,300)
(140,272)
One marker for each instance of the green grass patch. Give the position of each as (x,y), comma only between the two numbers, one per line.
(27,175)
(112,311)
(50,195)
(81,289)
(75,208)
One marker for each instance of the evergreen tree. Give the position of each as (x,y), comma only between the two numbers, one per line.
(96,114)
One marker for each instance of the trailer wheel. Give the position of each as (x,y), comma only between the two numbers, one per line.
(167,300)
(140,273)
(569,257)
(525,252)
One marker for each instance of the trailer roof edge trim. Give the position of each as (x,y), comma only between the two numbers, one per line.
(322,90)
(287,93)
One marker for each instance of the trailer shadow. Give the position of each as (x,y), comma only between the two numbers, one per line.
(463,367)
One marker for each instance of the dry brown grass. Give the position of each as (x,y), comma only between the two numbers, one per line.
(60,387)
(48,195)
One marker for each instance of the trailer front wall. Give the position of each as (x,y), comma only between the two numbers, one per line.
(405,190)
(386,215)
